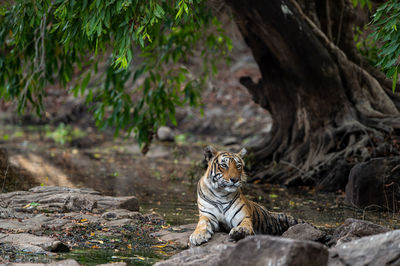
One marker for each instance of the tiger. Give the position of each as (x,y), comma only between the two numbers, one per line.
(223,207)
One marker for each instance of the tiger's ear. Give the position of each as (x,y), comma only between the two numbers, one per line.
(209,153)
(242,152)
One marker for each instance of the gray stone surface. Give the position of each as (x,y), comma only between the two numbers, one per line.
(254,250)
(120,214)
(353,229)
(375,183)
(165,134)
(376,250)
(305,232)
(270,250)
(179,235)
(31,243)
(63,199)
(56,263)
(203,255)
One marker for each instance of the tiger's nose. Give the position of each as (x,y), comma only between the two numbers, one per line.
(234,179)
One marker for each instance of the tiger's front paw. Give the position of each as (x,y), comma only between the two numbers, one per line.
(198,238)
(240,232)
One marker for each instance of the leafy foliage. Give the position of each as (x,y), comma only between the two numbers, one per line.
(385,20)
(47,42)
(362,3)
(365,45)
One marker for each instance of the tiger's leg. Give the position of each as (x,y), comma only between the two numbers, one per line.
(203,231)
(245,228)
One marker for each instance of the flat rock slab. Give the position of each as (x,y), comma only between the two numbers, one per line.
(64,199)
(64,263)
(56,263)
(254,250)
(31,243)
(376,250)
(179,235)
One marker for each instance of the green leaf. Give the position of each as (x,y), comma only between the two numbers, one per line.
(159,12)
(179,14)
(85,82)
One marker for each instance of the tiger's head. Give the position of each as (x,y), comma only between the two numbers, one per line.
(225,169)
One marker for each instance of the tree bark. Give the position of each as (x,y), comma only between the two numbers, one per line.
(327,109)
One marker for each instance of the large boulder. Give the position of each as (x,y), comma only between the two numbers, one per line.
(375,183)
(254,250)
(353,229)
(305,231)
(269,250)
(203,255)
(335,179)
(376,250)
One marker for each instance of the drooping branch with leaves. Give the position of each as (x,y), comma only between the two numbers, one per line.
(47,42)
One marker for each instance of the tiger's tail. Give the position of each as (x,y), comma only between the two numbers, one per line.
(285,221)
(272,223)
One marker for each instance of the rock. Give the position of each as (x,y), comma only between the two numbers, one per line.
(269,250)
(31,243)
(57,208)
(353,229)
(33,223)
(120,263)
(203,255)
(375,183)
(154,218)
(305,232)
(230,141)
(254,250)
(109,215)
(382,249)
(336,179)
(64,199)
(120,222)
(120,214)
(130,203)
(179,235)
(80,203)
(158,152)
(69,262)
(165,134)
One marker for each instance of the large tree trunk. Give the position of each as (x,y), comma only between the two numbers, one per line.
(328,111)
